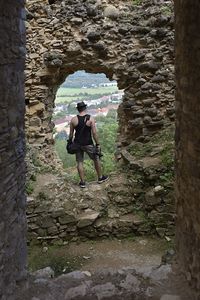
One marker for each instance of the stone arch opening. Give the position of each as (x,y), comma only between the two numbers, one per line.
(103,99)
(50,82)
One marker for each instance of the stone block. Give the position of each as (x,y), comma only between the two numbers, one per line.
(44,273)
(76,292)
(105,291)
(67,219)
(130,283)
(87,218)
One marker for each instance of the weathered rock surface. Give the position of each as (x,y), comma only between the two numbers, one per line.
(107,284)
(61,211)
(12,148)
(137,200)
(44,273)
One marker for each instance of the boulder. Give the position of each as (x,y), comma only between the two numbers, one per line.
(44,273)
(75,292)
(111,12)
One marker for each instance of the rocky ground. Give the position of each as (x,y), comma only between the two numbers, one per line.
(137,200)
(112,269)
(109,269)
(100,254)
(157,282)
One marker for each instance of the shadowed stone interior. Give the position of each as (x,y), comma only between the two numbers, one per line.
(12,150)
(188,139)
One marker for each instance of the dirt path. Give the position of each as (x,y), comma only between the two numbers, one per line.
(116,254)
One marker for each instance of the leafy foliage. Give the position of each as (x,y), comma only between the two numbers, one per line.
(82,78)
(62,135)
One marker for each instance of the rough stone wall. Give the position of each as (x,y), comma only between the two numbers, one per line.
(188,139)
(130,43)
(137,201)
(12,198)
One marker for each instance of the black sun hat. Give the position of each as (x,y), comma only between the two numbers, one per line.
(81,105)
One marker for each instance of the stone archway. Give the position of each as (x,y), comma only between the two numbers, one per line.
(117,40)
(120,41)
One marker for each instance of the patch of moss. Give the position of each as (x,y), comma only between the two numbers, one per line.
(56,258)
(137,2)
(162,142)
(140,150)
(29,187)
(131,238)
(42,196)
(166,10)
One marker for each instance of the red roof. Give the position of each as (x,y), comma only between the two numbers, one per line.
(63,120)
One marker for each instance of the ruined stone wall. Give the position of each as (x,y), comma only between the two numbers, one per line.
(138,200)
(188,139)
(12,198)
(130,43)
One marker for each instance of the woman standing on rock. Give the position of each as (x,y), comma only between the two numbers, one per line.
(85,132)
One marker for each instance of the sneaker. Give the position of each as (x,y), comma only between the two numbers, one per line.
(103,179)
(82,184)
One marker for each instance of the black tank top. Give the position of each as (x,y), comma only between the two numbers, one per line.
(83,136)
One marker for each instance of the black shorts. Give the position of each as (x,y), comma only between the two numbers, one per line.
(90,150)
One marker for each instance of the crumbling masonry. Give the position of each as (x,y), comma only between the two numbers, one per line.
(131,44)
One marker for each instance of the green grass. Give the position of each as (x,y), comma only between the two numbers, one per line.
(164,138)
(108,166)
(71,94)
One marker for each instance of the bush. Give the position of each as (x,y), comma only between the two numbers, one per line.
(68,160)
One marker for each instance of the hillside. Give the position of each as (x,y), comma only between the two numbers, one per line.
(81,78)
